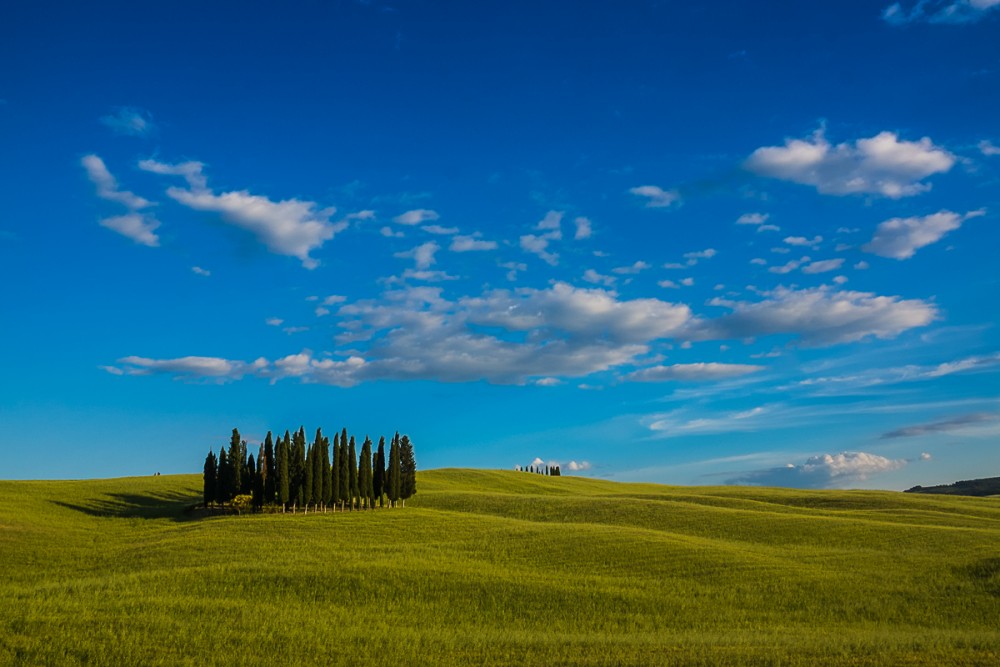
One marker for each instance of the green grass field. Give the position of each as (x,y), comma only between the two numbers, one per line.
(487,567)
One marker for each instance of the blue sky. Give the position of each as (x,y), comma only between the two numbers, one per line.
(746,243)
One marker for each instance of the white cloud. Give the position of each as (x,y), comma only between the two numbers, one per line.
(138,227)
(632,269)
(200,271)
(548,382)
(823,266)
(107,186)
(471,244)
(274,321)
(592,276)
(668,284)
(422,255)
(789,266)
(818,317)
(986,146)
(861,266)
(289,227)
(656,197)
(584,228)
(900,238)
(691,372)
(552,221)
(687,282)
(840,280)
(578,466)
(190,367)
(416,216)
(334,299)
(538,245)
(693,257)
(924,456)
(130,121)
(513,268)
(389,232)
(753,218)
(881,165)
(823,471)
(803,241)
(939,11)
(438,229)
(759,261)
(769,228)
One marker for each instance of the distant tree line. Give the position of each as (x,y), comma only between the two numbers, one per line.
(290,474)
(988,486)
(552,471)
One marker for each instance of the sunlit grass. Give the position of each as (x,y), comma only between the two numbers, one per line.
(487,567)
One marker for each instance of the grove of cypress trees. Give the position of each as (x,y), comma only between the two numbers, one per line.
(365,482)
(211,474)
(378,472)
(407,469)
(353,471)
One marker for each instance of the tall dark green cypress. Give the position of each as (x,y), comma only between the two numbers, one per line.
(327,474)
(269,469)
(307,477)
(235,460)
(258,481)
(246,475)
(392,474)
(250,473)
(352,462)
(211,474)
(317,474)
(296,469)
(284,473)
(407,469)
(378,474)
(225,476)
(335,472)
(345,473)
(365,483)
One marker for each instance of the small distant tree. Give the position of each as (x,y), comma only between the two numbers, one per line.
(251,471)
(211,473)
(407,470)
(353,472)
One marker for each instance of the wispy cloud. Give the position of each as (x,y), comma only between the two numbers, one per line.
(416,216)
(130,121)
(938,11)
(900,238)
(140,227)
(655,196)
(942,426)
(691,372)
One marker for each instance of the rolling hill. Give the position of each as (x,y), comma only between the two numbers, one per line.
(491,567)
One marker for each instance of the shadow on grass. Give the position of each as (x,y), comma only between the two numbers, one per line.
(166,505)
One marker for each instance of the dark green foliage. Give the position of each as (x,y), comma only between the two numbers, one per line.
(284,475)
(251,471)
(327,473)
(378,472)
(317,469)
(407,470)
(236,465)
(988,486)
(393,484)
(307,477)
(344,470)
(270,470)
(246,475)
(297,467)
(353,472)
(258,480)
(365,483)
(209,480)
(223,486)
(335,471)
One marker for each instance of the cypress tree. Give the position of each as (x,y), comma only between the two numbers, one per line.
(327,474)
(211,472)
(296,468)
(222,493)
(407,469)
(365,482)
(283,472)
(246,475)
(307,477)
(335,471)
(318,474)
(345,474)
(353,471)
(235,460)
(378,474)
(251,472)
(258,481)
(392,473)
(269,470)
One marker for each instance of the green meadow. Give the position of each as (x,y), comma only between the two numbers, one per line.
(489,567)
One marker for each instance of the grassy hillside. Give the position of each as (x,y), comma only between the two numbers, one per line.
(487,567)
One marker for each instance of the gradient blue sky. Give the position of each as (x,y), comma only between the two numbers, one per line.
(692,243)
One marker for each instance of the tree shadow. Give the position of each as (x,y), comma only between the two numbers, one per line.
(165,505)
